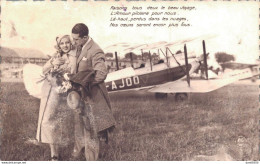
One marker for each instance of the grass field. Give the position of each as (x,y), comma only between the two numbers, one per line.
(220,125)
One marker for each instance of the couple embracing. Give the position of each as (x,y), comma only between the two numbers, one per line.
(83,62)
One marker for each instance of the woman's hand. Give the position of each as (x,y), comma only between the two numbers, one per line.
(67,76)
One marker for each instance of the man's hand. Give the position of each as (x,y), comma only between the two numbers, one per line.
(57,61)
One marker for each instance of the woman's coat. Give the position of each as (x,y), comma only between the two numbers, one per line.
(54,122)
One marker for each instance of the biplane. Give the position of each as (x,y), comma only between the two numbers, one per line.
(179,73)
(176,74)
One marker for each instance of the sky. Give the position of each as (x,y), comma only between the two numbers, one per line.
(36,25)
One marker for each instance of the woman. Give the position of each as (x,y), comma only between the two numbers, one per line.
(52,128)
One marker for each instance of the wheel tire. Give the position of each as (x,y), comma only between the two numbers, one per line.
(161,95)
(181,96)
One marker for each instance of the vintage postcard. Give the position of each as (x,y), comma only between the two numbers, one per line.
(129,80)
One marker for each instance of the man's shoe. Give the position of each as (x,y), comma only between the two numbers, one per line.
(75,158)
(103,136)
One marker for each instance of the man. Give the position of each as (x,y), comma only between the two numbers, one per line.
(96,109)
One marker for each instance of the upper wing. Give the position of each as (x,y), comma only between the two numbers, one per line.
(130,47)
(195,86)
(33,79)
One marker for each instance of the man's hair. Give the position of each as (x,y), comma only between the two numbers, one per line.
(80,29)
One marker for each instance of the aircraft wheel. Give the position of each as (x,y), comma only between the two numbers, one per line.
(181,96)
(161,95)
(253,79)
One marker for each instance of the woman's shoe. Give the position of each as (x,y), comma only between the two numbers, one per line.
(76,154)
(54,158)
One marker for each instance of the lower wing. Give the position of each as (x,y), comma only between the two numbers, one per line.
(198,86)
(202,85)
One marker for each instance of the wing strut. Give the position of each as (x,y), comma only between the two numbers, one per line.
(205,59)
(117,67)
(150,60)
(142,54)
(167,60)
(186,64)
(166,57)
(175,59)
(131,57)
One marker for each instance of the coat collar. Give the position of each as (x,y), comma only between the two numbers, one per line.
(73,52)
(85,48)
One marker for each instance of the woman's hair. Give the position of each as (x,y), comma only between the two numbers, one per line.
(80,29)
(58,40)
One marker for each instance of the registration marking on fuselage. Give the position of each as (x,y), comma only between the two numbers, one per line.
(124,83)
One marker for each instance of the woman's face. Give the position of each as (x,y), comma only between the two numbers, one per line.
(65,44)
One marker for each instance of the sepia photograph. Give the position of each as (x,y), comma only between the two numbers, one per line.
(129,81)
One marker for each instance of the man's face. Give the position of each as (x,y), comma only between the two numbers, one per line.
(79,41)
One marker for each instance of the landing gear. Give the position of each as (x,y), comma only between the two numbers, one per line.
(178,96)
(161,95)
(181,96)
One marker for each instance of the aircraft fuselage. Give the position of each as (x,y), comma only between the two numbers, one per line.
(146,80)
